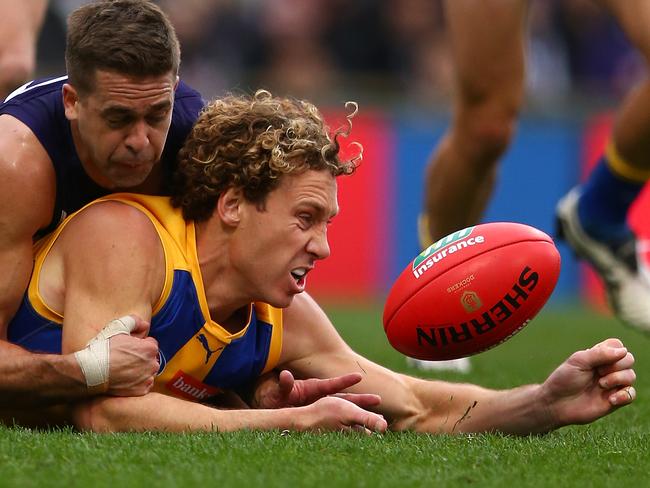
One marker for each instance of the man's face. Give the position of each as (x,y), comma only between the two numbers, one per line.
(120,128)
(278,246)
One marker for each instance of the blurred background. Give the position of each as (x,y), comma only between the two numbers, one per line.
(391,56)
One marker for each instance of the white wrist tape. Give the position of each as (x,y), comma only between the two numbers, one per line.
(94,360)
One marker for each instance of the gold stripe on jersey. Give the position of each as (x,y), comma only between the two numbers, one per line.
(42,248)
(273,316)
(187,355)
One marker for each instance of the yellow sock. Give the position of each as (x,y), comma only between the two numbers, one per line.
(623,168)
(423,231)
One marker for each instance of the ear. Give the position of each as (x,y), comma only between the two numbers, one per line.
(70,101)
(229,206)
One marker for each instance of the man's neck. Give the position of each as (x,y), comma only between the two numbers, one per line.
(228,306)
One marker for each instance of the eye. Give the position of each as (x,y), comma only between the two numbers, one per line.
(118,119)
(156,118)
(306,219)
(116,122)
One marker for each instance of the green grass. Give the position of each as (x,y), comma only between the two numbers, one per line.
(609,452)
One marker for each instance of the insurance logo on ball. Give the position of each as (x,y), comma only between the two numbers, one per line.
(444,247)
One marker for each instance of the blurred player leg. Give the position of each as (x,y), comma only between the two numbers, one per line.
(487,40)
(593,217)
(20,23)
(489,79)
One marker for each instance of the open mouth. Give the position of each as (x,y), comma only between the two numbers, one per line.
(299,274)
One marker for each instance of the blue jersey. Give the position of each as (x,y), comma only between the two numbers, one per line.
(198,357)
(39,105)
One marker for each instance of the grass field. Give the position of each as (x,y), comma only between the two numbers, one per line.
(610,452)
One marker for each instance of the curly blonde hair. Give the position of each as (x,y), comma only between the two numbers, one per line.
(250,142)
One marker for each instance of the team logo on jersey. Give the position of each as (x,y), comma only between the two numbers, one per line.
(206,345)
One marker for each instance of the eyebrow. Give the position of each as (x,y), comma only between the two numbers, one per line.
(320,209)
(120,110)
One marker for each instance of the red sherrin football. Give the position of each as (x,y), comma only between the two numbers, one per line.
(471,290)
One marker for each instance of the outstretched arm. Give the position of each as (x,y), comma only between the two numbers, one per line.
(156,412)
(589,385)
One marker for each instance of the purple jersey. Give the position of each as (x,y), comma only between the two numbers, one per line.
(39,105)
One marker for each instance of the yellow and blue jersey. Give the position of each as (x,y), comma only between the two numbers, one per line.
(198,357)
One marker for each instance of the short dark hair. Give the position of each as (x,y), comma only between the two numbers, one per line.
(251,142)
(132,37)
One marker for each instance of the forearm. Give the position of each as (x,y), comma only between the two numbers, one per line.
(464,408)
(28,379)
(157,412)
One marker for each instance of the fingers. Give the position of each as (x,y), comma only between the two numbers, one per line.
(315,388)
(357,416)
(611,342)
(342,382)
(625,363)
(624,378)
(303,392)
(152,343)
(605,353)
(622,397)
(334,413)
(359,428)
(368,425)
(286,382)
(614,365)
(618,373)
(363,400)
(141,327)
(133,365)
(374,422)
(619,378)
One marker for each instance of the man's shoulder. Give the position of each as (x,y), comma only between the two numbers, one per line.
(22,157)
(183,90)
(187,104)
(27,178)
(42,89)
(38,105)
(107,219)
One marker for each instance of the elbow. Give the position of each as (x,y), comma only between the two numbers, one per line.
(97,415)
(411,413)
(409,418)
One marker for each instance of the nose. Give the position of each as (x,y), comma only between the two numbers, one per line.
(138,137)
(318,244)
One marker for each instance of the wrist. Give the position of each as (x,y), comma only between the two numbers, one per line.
(73,370)
(93,361)
(546,414)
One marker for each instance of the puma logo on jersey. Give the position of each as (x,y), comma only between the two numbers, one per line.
(208,352)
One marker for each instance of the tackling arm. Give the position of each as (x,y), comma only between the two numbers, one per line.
(26,197)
